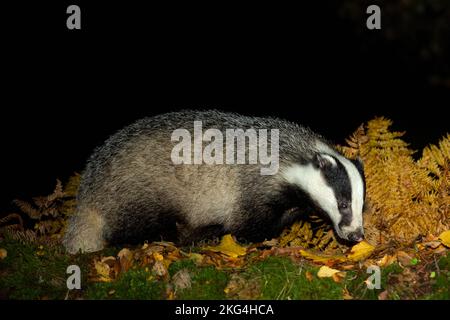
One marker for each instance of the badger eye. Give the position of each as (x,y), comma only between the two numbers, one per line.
(342,205)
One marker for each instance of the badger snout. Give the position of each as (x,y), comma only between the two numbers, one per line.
(356,236)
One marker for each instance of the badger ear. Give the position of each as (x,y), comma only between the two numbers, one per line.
(323,160)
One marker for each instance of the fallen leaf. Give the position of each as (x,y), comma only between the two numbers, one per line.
(103,270)
(159,269)
(309,276)
(158,256)
(430,237)
(182,279)
(270,243)
(445,238)
(196,257)
(228,247)
(110,260)
(360,251)
(3,253)
(404,258)
(348,267)
(439,250)
(338,277)
(325,259)
(126,259)
(383,295)
(170,295)
(346,295)
(432,244)
(326,272)
(386,260)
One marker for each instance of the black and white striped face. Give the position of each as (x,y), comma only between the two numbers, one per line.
(337,186)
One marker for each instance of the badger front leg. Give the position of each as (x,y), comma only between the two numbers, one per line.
(85,232)
(187,235)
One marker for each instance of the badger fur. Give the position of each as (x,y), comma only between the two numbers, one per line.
(132,191)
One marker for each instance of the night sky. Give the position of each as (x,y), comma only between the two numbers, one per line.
(64,92)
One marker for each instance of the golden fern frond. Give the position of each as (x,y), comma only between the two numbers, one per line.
(408,198)
(10,217)
(71,187)
(27,208)
(22,236)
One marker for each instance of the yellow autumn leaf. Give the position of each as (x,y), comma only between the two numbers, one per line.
(228,247)
(360,251)
(3,253)
(445,238)
(102,271)
(158,256)
(321,258)
(326,272)
(196,257)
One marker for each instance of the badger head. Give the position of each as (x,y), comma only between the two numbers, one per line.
(336,185)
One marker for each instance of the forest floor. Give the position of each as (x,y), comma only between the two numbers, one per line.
(225,271)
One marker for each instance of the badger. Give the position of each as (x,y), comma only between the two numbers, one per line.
(131,190)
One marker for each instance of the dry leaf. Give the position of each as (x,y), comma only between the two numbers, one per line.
(432,244)
(228,247)
(3,253)
(346,295)
(325,259)
(404,258)
(126,259)
(326,272)
(158,256)
(383,295)
(159,269)
(182,279)
(445,238)
(439,250)
(196,257)
(309,276)
(103,270)
(348,267)
(386,260)
(360,251)
(270,243)
(338,277)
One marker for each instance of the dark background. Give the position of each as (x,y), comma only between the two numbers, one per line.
(64,92)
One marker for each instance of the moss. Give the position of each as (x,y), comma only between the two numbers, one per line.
(357,286)
(135,284)
(182,264)
(33,272)
(207,283)
(441,285)
(282,279)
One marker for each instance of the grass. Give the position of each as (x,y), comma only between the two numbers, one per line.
(207,283)
(281,279)
(441,283)
(34,272)
(136,284)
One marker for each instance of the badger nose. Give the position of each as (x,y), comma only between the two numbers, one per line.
(357,236)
